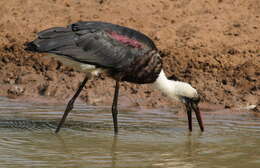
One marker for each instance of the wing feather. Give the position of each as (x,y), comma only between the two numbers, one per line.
(91,43)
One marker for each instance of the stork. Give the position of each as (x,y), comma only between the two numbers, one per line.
(122,53)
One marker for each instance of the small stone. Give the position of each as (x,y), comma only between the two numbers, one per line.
(16,90)
(236,25)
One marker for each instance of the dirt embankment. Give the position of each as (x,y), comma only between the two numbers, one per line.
(214,45)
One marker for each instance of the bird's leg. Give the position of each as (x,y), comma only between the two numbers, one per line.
(70,104)
(114,108)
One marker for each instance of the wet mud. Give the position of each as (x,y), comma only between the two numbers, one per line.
(214,45)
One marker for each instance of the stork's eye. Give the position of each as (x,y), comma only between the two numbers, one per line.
(196,99)
(186,99)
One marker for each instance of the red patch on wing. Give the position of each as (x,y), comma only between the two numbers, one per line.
(125,40)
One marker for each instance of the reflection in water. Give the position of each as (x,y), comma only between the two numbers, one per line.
(113,151)
(152,138)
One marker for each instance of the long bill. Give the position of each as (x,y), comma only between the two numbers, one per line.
(196,109)
(189,114)
(194,106)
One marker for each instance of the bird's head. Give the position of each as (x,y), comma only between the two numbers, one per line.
(182,92)
(191,103)
(188,95)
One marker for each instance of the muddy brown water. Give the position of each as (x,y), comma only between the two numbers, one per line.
(147,138)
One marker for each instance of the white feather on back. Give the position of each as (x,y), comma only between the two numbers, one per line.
(76,65)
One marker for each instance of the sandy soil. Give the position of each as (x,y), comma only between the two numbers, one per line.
(214,45)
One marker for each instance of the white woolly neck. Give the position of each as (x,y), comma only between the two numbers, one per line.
(174,89)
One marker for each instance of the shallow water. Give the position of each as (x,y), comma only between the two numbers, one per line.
(147,138)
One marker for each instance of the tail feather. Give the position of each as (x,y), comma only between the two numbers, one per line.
(30,46)
(51,39)
(54,32)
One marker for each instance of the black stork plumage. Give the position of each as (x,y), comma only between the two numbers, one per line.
(121,53)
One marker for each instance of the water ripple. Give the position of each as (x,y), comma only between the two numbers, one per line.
(147,138)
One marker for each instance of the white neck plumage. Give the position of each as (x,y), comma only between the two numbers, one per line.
(174,89)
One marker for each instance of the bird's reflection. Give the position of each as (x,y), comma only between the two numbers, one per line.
(114,151)
(62,143)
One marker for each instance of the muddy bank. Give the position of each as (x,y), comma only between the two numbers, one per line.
(214,45)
